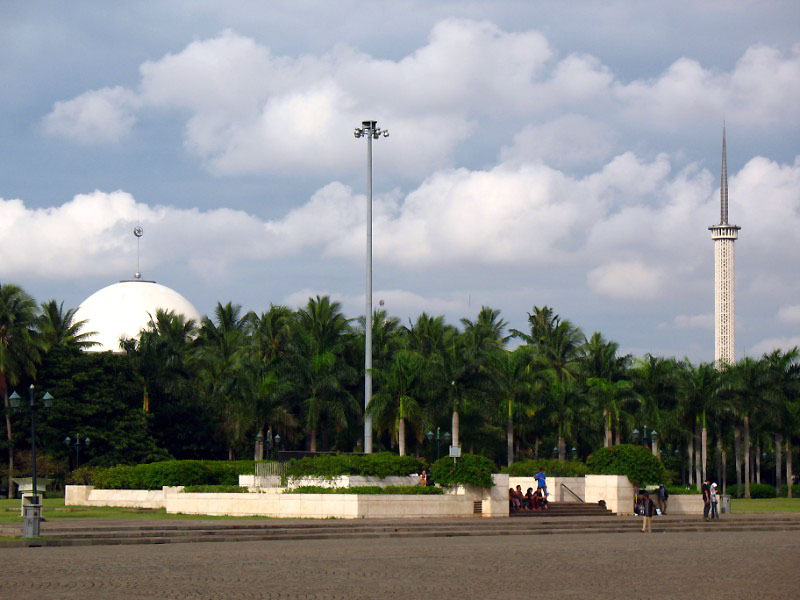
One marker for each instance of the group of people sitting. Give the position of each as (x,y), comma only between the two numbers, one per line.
(530,500)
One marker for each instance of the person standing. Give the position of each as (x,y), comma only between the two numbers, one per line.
(541,482)
(713,497)
(706,489)
(648,508)
(663,494)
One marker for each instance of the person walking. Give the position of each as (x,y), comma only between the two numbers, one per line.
(706,489)
(647,508)
(713,497)
(663,494)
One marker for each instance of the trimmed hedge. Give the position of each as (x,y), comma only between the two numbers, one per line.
(215,489)
(551,466)
(757,490)
(795,490)
(682,491)
(154,476)
(414,490)
(634,461)
(381,464)
(470,469)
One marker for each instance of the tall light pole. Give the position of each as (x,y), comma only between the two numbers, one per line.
(33,516)
(369,130)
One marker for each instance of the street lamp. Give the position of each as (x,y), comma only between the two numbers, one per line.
(260,446)
(430,436)
(635,434)
(68,441)
(654,438)
(33,517)
(369,130)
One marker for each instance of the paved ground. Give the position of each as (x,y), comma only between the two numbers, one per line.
(632,565)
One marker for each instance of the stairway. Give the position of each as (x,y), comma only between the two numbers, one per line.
(567,509)
(63,533)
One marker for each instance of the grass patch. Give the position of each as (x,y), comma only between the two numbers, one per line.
(764,505)
(54,509)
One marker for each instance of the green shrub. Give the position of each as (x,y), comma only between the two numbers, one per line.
(470,469)
(215,489)
(154,476)
(795,490)
(381,464)
(636,462)
(552,467)
(757,490)
(82,476)
(675,490)
(415,490)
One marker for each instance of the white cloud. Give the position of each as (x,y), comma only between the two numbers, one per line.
(790,314)
(395,302)
(632,280)
(249,110)
(566,141)
(633,230)
(704,321)
(766,346)
(95,117)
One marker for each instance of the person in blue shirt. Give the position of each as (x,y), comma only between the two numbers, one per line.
(541,482)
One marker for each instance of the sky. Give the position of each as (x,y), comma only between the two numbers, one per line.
(540,153)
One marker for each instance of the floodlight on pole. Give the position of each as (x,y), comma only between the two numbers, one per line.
(369,130)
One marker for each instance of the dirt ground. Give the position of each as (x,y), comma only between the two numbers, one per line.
(623,565)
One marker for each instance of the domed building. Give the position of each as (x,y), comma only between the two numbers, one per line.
(125,308)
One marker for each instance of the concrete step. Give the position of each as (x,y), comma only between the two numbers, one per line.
(185,532)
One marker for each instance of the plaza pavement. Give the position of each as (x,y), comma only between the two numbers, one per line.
(708,564)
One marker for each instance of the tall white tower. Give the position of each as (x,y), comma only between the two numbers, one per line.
(724,235)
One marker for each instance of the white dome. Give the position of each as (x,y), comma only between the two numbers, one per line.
(125,308)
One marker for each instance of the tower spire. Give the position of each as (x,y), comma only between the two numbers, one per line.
(723,184)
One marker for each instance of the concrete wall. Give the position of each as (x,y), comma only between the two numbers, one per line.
(345,506)
(684,504)
(87,495)
(320,506)
(615,490)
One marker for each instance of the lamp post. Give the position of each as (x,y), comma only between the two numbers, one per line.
(30,527)
(439,436)
(635,435)
(260,446)
(277,444)
(68,441)
(654,438)
(369,130)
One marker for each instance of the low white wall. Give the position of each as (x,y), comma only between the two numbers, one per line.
(615,490)
(683,504)
(321,506)
(87,495)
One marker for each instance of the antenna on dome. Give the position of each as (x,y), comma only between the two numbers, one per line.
(138,232)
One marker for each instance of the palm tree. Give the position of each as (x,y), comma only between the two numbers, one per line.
(783,390)
(398,402)
(699,392)
(19,351)
(515,384)
(160,355)
(556,346)
(264,373)
(467,362)
(320,374)
(604,372)
(746,385)
(58,327)
(218,356)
